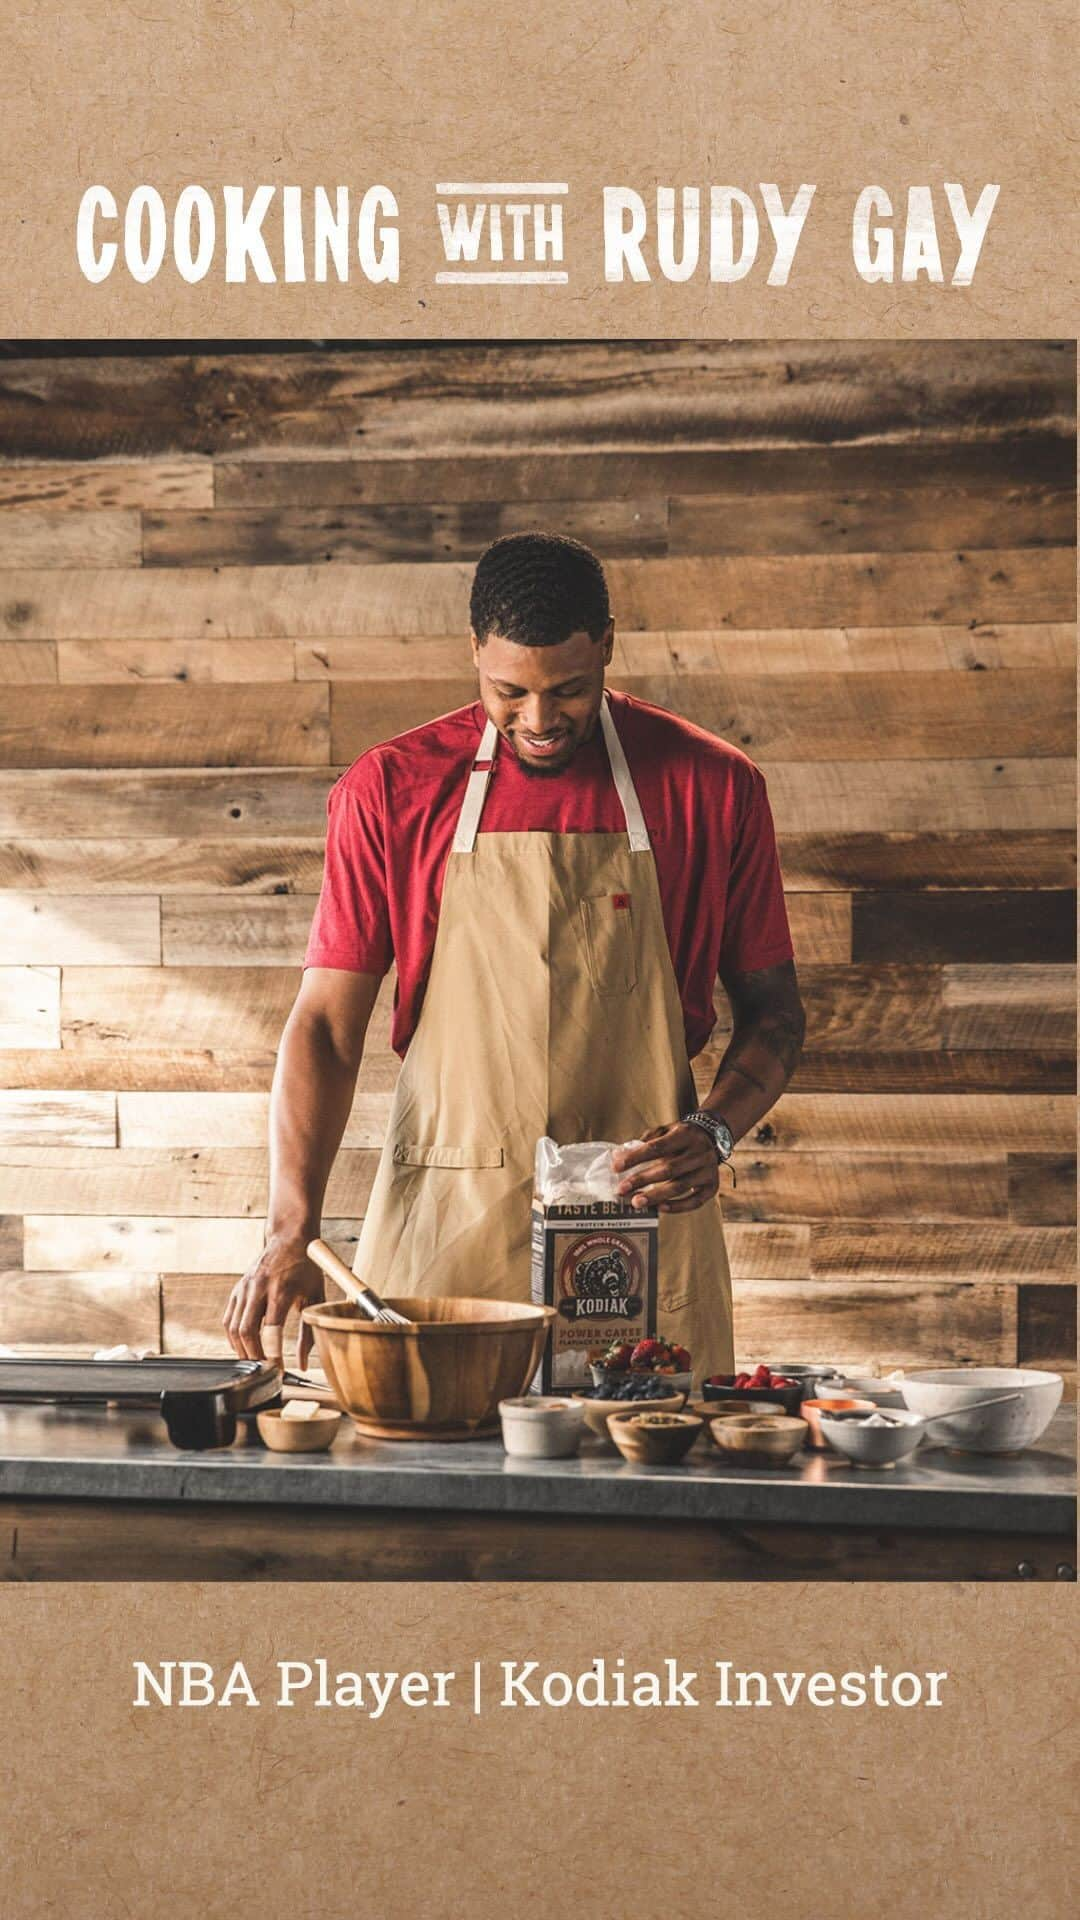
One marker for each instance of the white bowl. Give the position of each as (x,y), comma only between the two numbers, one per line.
(541,1427)
(1001,1429)
(874,1446)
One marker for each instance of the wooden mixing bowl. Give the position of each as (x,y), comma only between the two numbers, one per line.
(442,1377)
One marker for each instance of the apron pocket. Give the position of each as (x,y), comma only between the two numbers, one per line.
(421,1156)
(608,919)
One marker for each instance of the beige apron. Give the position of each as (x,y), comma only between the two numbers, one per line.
(551,1008)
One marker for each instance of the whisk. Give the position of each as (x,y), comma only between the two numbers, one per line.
(363,1296)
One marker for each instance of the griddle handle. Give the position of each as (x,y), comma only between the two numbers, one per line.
(197,1420)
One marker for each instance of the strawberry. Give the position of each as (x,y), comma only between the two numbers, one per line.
(681,1358)
(647,1353)
(742,1380)
(761,1377)
(618,1356)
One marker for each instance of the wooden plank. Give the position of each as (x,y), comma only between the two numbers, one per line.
(768,650)
(177,1181)
(86,1540)
(84,929)
(226,1007)
(145,1069)
(767,1251)
(999,926)
(880,861)
(165,866)
(104,538)
(910,1324)
(356,536)
(1017,1070)
(859,1009)
(192,1305)
(873,717)
(1009,1006)
(873,520)
(1046,1333)
(864,1186)
(748,473)
(435,399)
(220,930)
(11,1240)
(975,1251)
(29,1007)
(29,1118)
(95,1243)
(820,926)
(79,1311)
(166,726)
(807,797)
(841,796)
(103,662)
(915,1123)
(211,1120)
(255,803)
(310,602)
(27,662)
(87,485)
(1042,1188)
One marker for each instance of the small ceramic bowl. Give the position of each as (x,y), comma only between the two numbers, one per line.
(875,1446)
(541,1427)
(597,1411)
(811,1411)
(760,1440)
(654,1439)
(299,1436)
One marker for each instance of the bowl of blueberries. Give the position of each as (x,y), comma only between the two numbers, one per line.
(652,1375)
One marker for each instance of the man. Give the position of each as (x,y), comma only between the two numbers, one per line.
(560,874)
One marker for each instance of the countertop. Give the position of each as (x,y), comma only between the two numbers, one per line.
(83,1454)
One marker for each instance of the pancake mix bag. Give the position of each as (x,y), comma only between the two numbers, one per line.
(594,1259)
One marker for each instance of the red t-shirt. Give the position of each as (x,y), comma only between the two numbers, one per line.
(392,818)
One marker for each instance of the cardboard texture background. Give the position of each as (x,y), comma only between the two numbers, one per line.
(959,1812)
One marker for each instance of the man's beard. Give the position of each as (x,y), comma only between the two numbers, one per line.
(545,769)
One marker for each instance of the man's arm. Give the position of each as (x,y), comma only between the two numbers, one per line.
(314,1083)
(677,1168)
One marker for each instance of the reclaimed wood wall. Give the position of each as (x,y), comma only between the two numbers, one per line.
(222,575)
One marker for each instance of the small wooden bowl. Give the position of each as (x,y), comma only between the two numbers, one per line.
(316,1435)
(713,1412)
(597,1412)
(648,1446)
(760,1440)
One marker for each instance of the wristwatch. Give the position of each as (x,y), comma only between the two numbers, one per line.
(718,1131)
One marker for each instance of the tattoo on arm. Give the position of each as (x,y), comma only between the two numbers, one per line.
(767,1011)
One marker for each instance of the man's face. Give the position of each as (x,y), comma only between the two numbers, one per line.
(543,700)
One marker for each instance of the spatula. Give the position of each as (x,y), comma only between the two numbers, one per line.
(362,1296)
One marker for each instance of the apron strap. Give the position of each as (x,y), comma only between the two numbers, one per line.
(472,806)
(476,788)
(637,831)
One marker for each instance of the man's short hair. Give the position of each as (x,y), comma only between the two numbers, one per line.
(537,589)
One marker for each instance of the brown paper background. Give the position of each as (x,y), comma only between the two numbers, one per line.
(842,95)
(961,1812)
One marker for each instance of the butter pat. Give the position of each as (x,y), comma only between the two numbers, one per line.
(300,1410)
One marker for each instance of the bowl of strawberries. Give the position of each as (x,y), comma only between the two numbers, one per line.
(624,1366)
(780,1390)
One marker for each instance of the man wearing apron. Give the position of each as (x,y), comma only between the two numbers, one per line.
(560,875)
